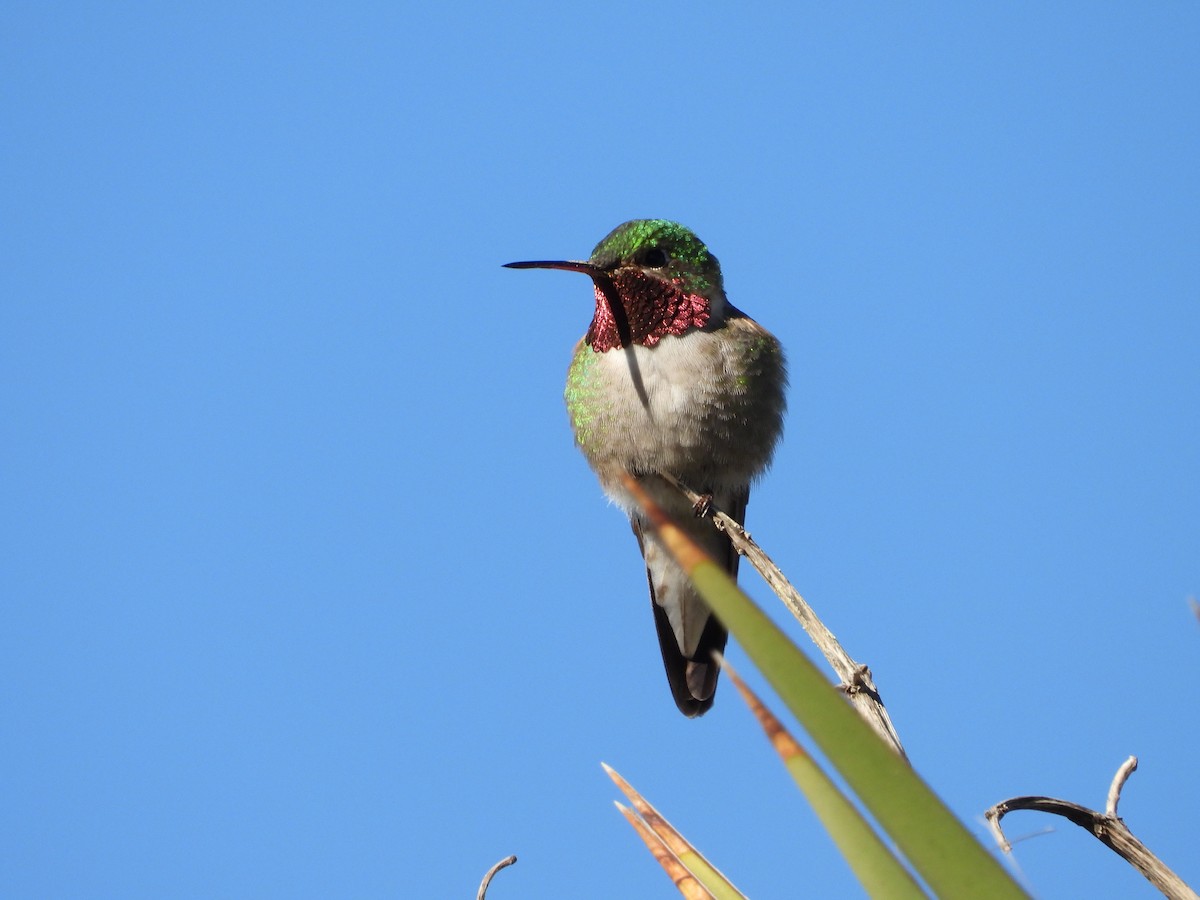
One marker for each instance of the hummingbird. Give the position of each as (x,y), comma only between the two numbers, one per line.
(671,378)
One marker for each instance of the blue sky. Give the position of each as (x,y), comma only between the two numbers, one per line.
(305,590)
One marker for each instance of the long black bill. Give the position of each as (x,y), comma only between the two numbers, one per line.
(568,265)
(602,279)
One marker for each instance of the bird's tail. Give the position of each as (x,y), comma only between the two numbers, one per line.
(688,632)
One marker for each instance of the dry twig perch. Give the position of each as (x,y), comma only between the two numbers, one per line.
(856,678)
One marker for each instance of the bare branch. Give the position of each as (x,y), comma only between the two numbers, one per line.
(487,879)
(1114,791)
(1107,827)
(856,678)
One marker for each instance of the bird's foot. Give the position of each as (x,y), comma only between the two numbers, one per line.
(703,506)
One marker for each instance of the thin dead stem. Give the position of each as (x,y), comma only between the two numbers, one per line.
(487,879)
(856,677)
(1107,827)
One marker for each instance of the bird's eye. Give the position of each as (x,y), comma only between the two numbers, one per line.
(655,258)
